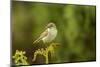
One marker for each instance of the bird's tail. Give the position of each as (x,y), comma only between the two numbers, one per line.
(36,41)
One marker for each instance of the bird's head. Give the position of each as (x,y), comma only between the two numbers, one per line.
(51,25)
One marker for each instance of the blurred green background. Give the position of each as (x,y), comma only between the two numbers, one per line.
(76,26)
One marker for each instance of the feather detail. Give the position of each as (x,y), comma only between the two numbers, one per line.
(36,41)
(45,33)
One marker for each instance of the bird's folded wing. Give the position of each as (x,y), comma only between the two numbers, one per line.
(45,33)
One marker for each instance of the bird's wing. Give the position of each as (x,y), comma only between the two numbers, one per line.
(45,33)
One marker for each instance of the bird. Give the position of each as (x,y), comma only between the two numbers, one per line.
(48,35)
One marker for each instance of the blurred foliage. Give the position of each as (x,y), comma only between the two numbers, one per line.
(45,52)
(19,58)
(76,26)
